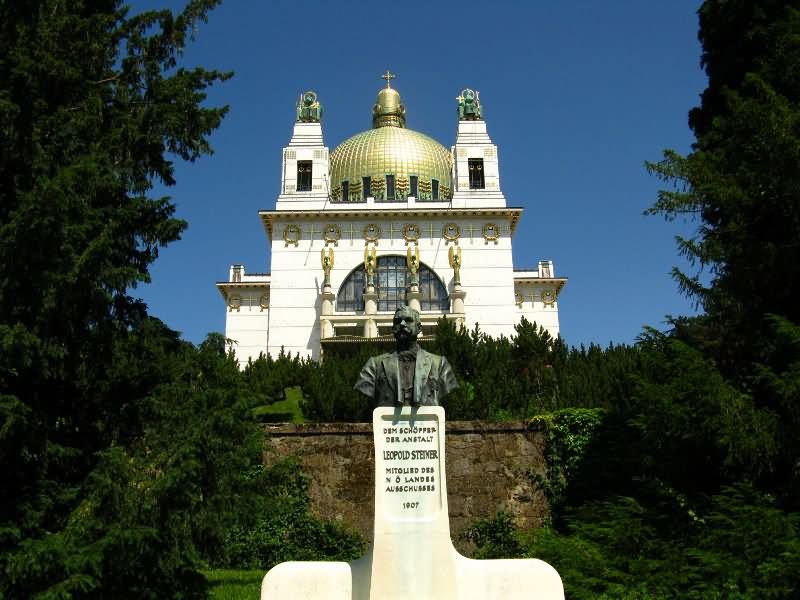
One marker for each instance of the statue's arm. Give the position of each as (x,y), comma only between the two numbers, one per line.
(366,378)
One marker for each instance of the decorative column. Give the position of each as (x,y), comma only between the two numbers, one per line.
(412,293)
(458,294)
(327,296)
(370,296)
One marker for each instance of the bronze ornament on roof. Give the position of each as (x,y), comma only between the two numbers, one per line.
(469,105)
(309,110)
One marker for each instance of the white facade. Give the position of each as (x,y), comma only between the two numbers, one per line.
(292,309)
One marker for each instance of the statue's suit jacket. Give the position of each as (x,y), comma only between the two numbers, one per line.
(380,379)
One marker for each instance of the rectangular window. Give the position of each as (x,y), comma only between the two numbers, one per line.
(303,175)
(435,188)
(390,194)
(366,186)
(476,181)
(414,186)
(345,191)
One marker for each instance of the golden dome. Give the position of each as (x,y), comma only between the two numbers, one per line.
(391,149)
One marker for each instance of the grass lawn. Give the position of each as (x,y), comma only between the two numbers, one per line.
(287,411)
(227,584)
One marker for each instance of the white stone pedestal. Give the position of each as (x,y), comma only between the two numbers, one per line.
(412,556)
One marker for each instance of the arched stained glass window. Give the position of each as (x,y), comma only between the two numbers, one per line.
(391,281)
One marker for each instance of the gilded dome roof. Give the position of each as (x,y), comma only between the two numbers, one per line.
(391,149)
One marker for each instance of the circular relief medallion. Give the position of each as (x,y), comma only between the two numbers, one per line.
(234,302)
(411,233)
(451,231)
(372,232)
(549,297)
(291,234)
(491,232)
(263,302)
(331,233)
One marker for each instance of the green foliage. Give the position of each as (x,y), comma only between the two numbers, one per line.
(494,537)
(741,183)
(92,103)
(569,436)
(229,584)
(742,177)
(151,513)
(270,377)
(688,485)
(283,411)
(328,393)
(287,530)
(739,545)
(531,373)
(698,430)
(499,379)
(107,548)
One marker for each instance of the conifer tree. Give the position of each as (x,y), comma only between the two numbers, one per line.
(94,108)
(741,182)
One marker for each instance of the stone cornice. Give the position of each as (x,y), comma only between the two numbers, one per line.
(557,282)
(270,217)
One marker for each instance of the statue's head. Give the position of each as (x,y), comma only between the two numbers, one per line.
(406,325)
(309,98)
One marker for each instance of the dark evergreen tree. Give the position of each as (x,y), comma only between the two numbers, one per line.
(93,109)
(697,467)
(742,183)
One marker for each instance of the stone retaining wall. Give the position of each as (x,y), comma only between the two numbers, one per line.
(488,469)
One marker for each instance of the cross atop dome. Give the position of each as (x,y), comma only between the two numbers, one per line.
(388,76)
(388,110)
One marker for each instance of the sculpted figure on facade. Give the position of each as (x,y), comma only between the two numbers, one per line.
(327,264)
(454,256)
(412,262)
(409,376)
(370,263)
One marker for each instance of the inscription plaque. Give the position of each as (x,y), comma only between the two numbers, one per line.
(409,462)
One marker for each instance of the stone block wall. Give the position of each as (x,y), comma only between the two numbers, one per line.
(489,467)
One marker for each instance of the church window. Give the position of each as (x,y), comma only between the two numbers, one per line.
(391,281)
(351,294)
(345,191)
(435,189)
(476,181)
(366,187)
(303,175)
(390,191)
(414,186)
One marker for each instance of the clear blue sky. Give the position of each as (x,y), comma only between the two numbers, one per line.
(577,96)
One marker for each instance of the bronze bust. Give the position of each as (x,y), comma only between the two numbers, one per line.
(409,375)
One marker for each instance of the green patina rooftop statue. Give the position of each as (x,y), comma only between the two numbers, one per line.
(409,375)
(469,106)
(309,110)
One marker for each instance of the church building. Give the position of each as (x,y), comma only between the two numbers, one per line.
(390,217)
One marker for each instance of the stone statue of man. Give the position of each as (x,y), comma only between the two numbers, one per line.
(409,375)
